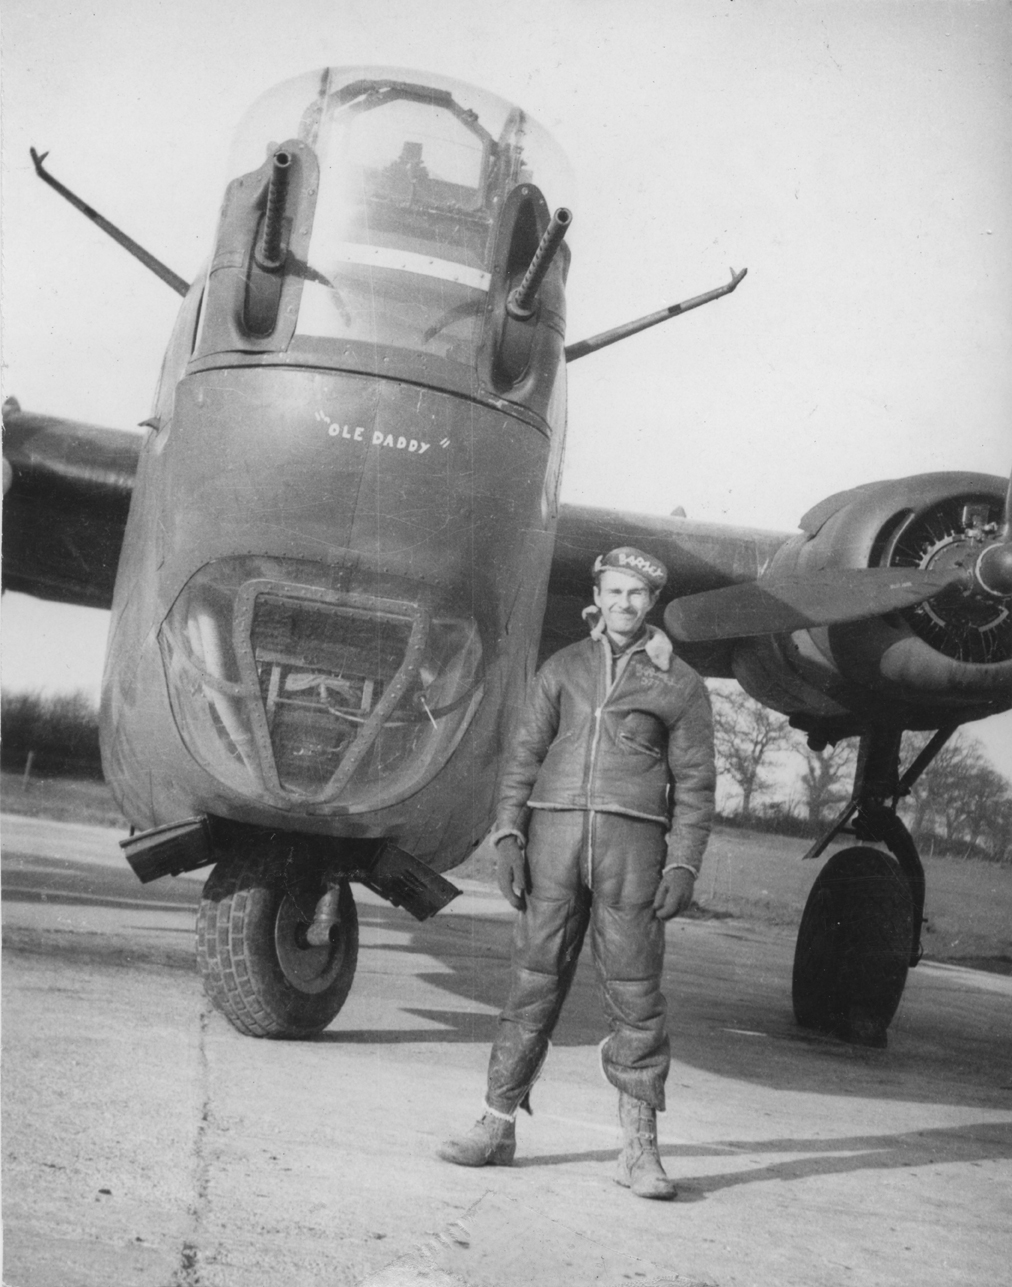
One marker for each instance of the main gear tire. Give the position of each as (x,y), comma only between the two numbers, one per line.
(256,963)
(854,947)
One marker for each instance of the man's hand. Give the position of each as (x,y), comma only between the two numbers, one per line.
(511,869)
(674,893)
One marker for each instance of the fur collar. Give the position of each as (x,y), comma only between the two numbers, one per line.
(657,645)
(659,648)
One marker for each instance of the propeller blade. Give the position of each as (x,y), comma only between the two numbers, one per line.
(778,605)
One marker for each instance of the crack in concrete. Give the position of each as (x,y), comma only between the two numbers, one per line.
(188,1272)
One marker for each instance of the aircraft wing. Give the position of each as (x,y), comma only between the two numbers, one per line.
(67,489)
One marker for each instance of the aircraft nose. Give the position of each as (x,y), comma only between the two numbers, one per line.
(336,699)
(329,597)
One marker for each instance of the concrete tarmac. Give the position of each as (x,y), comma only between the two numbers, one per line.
(145,1142)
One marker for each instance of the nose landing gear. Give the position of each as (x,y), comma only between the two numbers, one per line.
(277,943)
(277,930)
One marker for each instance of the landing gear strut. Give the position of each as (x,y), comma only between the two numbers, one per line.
(277,930)
(861,927)
(277,942)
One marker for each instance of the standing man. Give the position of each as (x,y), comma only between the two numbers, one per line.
(605,808)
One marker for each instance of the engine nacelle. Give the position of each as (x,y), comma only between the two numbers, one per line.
(948,659)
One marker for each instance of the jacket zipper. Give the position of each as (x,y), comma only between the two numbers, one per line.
(610,685)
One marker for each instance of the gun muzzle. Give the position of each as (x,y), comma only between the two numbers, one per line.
(520,303)
(269,251)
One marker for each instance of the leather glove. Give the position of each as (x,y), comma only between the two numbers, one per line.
(674,893)
(511,870)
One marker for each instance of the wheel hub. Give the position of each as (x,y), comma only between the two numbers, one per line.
(308,968)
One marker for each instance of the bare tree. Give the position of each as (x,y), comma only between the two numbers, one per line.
(747,736)
(962,800)
(826,780)
(996,835)
(984,798)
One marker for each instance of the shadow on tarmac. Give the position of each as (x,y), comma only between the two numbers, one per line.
(727,983)
(728,986)
(974,1142)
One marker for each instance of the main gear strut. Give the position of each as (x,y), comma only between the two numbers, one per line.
(871,815)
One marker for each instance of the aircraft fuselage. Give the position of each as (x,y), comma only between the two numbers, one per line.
(335,566)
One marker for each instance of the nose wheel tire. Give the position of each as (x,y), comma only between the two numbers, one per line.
(854,946)
(258,967)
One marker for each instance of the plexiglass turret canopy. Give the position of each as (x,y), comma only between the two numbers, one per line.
(413,170)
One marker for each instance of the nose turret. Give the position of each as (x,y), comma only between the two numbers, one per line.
(349,505)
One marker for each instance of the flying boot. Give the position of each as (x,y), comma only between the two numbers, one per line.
(639,1163)
(491,1141)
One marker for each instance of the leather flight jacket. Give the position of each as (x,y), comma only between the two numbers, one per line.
(627,735)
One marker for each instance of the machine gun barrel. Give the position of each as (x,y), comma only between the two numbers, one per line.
(521,301)
(269,251)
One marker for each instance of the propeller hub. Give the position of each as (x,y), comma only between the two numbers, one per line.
(994,570)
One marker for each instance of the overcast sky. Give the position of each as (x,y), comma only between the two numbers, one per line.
(857,158)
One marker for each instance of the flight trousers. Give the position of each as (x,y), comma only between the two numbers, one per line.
(596,870)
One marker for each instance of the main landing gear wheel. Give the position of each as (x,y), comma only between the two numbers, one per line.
(259,968)
(854,947)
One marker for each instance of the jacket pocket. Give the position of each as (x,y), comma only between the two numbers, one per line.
(635,744)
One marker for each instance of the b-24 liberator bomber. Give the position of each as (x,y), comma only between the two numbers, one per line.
(335,556)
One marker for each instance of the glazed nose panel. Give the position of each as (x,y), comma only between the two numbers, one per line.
(309,695)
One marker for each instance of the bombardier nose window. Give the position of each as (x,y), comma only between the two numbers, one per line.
(345,700)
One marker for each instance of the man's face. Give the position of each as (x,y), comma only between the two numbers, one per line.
(624,602)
